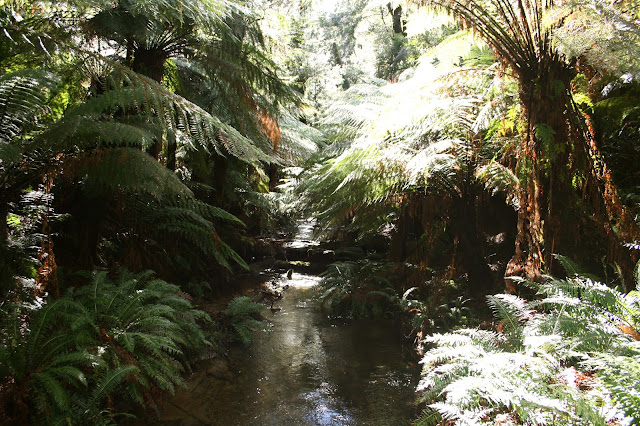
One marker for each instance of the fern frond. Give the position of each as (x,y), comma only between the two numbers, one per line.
(498,178)
(243,315)
(54,390)
(111,381)
(243,306)
(23,97)
(131,170)
(513,312)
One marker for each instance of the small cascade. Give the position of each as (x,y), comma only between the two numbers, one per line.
(304,235)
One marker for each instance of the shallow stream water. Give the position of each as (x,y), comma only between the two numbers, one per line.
(307,369)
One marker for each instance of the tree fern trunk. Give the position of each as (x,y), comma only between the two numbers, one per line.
(150,63)
(557,147)
(171,151)
(273,176)
(480,277)
(220,169)
(397,247)
(544,152)
(4,214)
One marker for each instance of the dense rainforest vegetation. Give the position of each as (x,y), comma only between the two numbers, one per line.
(470,166)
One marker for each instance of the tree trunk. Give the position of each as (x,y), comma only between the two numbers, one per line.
(273,176)
(4,214)
(150,63)
(542,163)
(480,277)
(398,24)
(171,151)
(551,211)
(220,169)
(397,249)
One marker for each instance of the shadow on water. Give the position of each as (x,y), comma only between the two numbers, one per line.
(307,370)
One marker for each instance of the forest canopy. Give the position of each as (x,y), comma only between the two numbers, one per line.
(152,151)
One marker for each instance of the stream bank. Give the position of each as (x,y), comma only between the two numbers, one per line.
(306,369)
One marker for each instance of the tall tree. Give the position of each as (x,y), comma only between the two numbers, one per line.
(557,158)
(91,142)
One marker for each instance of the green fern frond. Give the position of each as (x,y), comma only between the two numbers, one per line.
(299,141)
(23,97)
(499,178)
(53,388)
(243,306)
(244,317)
(520,370)
(111,381)
(132,170)
(620,375)
(602,32)
(513,312)
(573,269)
(206,211)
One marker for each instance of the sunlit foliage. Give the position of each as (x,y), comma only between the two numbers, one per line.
(569,357)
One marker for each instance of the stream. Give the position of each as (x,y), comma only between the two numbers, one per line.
(306,369)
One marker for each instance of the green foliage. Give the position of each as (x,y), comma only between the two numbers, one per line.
(359,289)
(455,312)
(565,358)
(87,96)
(244,317)
(65,361)
(617,120)
(432,37)
(435,306)
(606,34)
(23,100)
(394,56)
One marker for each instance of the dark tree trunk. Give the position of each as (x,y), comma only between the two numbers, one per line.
(77,240)
(4,214)
(480,276)
(398,244)
(220,170)
(398,24)
(171,151)
(150,63)
(273,177)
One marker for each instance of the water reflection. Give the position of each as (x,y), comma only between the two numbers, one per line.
(309,370)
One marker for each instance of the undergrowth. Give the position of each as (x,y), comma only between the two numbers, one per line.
(243,317)
(64,361)
(570,356)
(359,289)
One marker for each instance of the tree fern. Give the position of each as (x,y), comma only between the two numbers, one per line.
(166,231)
(129,336)
(397,147)
(136,95)
(563,358)
(129,170)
